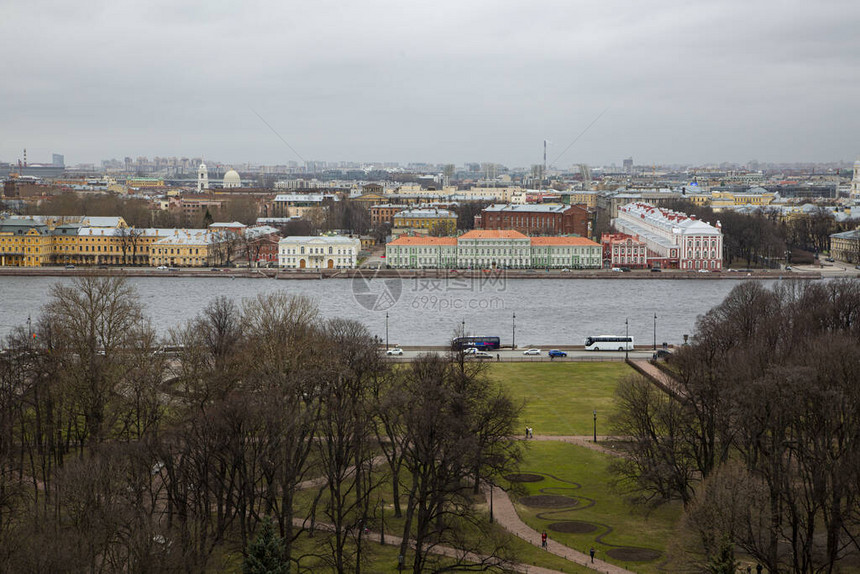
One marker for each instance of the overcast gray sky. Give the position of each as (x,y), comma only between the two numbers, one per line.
(437,81)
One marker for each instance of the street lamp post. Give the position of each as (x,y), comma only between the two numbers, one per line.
(627,337)
(595,425)
(463,323)
(386,330)
(514,333)
(382,520)
(655,331)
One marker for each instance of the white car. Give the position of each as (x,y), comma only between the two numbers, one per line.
(470,351)
(482,355)
(162,267)
(395,351)
(531,352)
(617,269)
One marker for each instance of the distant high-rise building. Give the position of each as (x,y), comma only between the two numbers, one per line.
(58,160)
(855,182)
(628,165)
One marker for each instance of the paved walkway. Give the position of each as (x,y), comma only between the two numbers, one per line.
(662,380)
(507,517)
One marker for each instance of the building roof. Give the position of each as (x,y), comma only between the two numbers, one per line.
(189,237)
(528,208)
(260,231)
(323,239)
(99,221)
(230,225)
(493,234)
(304,197)
(577,241)
(414,240)
(425,212)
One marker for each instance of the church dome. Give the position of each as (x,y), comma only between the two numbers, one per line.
(232,179)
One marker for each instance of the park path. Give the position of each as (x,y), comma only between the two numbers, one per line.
(657,376)
(506,515)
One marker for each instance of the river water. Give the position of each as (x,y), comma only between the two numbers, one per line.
(429,311)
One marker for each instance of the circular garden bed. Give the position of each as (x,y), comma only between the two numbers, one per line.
(573,527)
(548,501)
(524,477)
(629,554)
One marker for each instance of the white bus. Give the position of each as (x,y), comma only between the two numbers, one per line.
(609,343)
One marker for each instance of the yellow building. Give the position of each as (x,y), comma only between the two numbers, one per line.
(189,248)
(24,243)
(722,199)
(138,182)
(425,220)
(587,198)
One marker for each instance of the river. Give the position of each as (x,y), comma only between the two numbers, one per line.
(429,311)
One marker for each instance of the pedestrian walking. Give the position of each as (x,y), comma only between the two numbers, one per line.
(498,357)
(592,554)
(543,539)
(758,568)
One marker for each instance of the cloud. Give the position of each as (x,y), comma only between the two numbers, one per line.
(431,81)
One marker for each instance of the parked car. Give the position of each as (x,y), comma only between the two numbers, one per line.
(830,260)
(656,270)
(625,270)
(70,266)
(788,267)
(556,353)
(215,269)
(704,271)
(618,269)
(395,351)
(531,352)
(662,354)
(482,355)
(162,267)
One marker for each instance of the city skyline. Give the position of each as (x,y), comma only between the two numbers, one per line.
(435,83)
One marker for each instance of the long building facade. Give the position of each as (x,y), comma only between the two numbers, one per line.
(674,240)
(540,219)
(493,249)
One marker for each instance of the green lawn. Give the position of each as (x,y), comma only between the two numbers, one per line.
(630,526)
(561,397)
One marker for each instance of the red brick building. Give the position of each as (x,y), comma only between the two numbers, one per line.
(385,213)
(541,219)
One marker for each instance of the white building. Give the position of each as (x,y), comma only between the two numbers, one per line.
(202,178)
(231,180)
(675,240)
(318,252)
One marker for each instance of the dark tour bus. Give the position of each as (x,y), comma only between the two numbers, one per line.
(480,343)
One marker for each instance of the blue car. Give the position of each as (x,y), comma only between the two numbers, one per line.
(556,353)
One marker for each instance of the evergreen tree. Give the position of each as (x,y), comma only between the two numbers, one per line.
(724,561)
(265,554)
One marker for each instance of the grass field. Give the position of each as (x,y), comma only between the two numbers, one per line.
(626,525)
(561,397)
